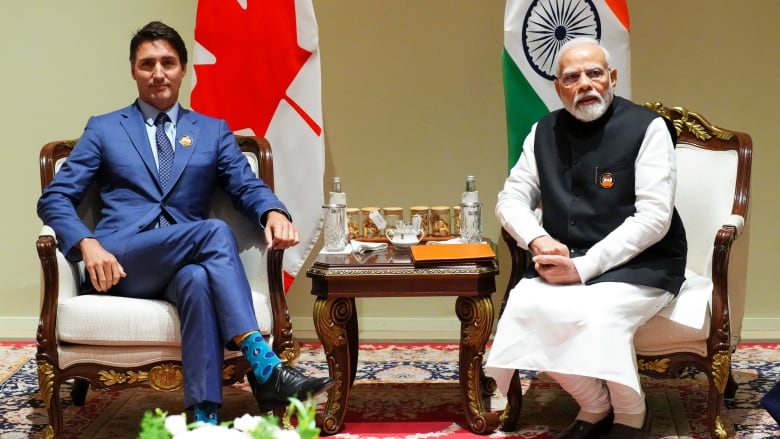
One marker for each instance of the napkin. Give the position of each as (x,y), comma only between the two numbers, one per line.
(367,247)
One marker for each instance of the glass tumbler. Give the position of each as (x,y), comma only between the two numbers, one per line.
(334,226)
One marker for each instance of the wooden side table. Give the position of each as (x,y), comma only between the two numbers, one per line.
(337,279)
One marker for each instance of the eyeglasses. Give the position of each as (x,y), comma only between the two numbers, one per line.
(571,78)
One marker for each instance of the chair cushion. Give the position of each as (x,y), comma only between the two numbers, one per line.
(125,356)
(683,325)
(105,320)
(660,336)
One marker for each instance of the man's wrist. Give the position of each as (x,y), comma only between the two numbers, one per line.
(264,216)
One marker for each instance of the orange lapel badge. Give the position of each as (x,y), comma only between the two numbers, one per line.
(607,180)
(185,141)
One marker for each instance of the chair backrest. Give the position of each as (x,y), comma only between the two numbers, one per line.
(257,151)
(251,242)
(713,180)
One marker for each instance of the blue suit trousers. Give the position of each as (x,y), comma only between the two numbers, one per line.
(196,267)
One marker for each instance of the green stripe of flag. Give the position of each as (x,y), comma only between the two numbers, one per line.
(523,107)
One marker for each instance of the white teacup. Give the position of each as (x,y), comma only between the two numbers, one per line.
(404,236)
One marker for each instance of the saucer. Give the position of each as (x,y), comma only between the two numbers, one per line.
(403,245)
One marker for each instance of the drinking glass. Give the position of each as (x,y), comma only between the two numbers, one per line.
(334,226)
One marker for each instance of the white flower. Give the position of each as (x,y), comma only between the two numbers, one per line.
(209,431)
(287,434)
(246,422)
(176,424)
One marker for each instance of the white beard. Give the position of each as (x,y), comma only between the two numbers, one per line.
(591,112)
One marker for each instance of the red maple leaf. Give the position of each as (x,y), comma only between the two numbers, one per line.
(257,57)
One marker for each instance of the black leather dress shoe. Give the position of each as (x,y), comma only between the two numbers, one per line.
(585,430)
(285,382)
(621,431)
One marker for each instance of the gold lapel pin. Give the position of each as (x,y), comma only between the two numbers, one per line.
(185,141)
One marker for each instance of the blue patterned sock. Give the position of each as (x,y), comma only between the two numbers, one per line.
(259,355)
(206,412)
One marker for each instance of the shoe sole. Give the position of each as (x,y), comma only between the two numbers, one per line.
(267,406)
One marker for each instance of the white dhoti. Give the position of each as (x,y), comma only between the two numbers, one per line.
(585,330)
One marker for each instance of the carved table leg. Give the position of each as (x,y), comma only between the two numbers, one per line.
(336,326)
(476,318)
(353,342)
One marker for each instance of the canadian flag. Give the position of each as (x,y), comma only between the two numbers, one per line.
(257,65)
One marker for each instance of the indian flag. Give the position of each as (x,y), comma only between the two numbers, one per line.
(534,31)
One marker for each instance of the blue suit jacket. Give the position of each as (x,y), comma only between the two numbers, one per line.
(114,151)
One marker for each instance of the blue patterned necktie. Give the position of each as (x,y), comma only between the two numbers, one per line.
(164,157)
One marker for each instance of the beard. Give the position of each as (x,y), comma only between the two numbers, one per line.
(590,112)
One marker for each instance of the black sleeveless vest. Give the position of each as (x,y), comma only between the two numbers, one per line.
(586,175)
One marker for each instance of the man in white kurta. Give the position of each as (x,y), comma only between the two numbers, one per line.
(608,254)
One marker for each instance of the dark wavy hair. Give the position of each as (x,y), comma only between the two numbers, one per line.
(157,30)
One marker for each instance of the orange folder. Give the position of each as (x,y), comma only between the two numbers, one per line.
(444,253)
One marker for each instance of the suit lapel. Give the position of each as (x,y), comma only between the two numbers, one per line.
(134,125)
(186,142)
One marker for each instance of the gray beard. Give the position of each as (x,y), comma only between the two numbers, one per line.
(589,113)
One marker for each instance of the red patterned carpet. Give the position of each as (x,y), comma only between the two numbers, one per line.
(404,391)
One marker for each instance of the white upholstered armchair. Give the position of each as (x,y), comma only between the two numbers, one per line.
(702,327)
(102,341)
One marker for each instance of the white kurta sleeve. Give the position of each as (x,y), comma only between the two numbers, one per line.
(520,196)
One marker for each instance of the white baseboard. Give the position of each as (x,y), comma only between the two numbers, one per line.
(18,328)
(393,328)
(448,329)
(761,329)
(441,329)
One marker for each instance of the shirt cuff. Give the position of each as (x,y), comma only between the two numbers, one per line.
(586,268)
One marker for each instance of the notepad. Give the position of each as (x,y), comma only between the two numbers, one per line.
(449,253)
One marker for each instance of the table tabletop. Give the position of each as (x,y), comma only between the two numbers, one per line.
(393,273)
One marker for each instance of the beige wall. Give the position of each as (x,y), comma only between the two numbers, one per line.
(412,79)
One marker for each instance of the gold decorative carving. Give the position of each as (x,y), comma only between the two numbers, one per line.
(330,315)
(167,377)
(477,316)
(474,388)
(721,367)
(46,381)
(135,377)
(337,375)
(48,433)
(720,429)
(111,377)
(694,123)
(660,365)
(289,355)
(229,372)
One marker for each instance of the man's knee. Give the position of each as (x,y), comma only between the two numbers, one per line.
(191,283)
(216,230)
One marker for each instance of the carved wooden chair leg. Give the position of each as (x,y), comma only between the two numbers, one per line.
(514,402)
(714,403)
(79,391)
(54,411)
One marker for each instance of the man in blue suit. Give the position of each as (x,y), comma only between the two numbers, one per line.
(156,165)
